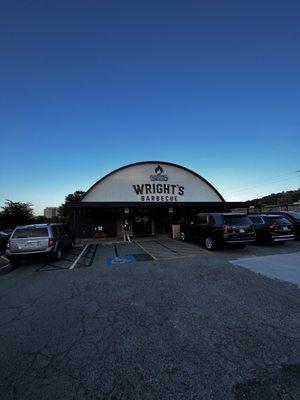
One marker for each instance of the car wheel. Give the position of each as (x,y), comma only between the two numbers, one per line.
(183,236)
(58,254)
(210,243)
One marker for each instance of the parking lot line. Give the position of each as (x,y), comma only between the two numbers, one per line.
(165,246)
(146,251)
(5,266)
(171,249)
(78,258)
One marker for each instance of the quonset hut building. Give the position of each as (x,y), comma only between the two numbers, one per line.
(151,195)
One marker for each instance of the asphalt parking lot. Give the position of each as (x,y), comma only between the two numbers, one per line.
(154,319)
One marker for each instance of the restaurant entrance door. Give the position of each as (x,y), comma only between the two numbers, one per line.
(142,225)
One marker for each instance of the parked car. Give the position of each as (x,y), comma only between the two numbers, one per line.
(38,240)
(3,241)
(215,230)
(272,228)
(294,218)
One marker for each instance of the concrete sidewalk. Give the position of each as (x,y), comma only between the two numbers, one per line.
(285,267)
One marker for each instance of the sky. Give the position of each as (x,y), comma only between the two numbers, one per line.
(88,86)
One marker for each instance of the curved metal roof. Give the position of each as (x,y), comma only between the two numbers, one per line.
(155,162)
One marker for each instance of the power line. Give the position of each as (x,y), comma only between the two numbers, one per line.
(266,184)
(282,177)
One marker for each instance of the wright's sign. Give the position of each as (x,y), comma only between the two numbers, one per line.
(151,183)
(159,192)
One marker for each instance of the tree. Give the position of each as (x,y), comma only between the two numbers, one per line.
(16,213)
(281,198)
(64,211)
(40,219)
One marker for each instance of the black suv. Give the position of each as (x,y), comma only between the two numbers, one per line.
(217,229)
(293,217)
(272,228)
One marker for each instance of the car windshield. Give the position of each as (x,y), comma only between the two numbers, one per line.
(237,220)
(30,232)
(294,214)
(256,220)
(279,221)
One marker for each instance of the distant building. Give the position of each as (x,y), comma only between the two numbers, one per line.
(50,212)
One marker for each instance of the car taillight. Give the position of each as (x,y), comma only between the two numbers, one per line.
(226,228)
(51,242)
(8,245)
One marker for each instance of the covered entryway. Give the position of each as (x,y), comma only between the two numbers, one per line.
(151,195)
(142,225)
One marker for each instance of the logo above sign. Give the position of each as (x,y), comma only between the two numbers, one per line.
(159,175)
(158,191)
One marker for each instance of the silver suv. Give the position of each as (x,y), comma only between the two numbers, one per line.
(41,239)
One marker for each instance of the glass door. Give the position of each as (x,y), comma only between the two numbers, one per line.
(142,225)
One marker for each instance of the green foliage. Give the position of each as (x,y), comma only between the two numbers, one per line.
(282,198)
(16,213)
(64,212)
(40,219)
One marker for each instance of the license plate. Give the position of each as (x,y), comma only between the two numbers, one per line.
(26,245)
(242,230)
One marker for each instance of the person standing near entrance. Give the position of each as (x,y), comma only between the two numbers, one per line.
(125,228)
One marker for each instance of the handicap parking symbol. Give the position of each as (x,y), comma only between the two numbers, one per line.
(121,260)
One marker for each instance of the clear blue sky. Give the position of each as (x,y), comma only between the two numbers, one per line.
(88,86)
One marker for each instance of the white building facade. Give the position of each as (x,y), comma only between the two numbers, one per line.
(151,195)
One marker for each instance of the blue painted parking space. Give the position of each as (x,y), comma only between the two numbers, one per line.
(121,260)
